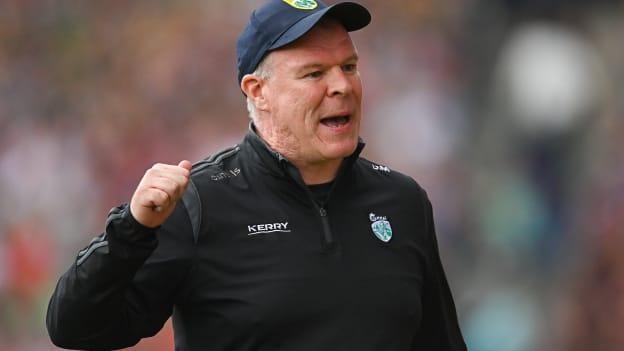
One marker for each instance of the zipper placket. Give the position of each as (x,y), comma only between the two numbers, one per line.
(289,169)
(328,238)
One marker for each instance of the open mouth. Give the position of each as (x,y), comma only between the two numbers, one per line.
(336,121)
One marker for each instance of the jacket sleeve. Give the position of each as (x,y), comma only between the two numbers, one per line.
(122,286)
(439,328)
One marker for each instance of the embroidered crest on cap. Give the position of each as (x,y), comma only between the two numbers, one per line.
(381,227)
(302,4)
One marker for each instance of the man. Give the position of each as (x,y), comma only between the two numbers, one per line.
(287,241)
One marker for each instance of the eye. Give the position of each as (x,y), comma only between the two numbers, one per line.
(349,67)
(314,74)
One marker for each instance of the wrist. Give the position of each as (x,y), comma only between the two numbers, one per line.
(124,226)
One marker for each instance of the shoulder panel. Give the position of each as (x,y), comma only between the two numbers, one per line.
(192,202)
(215,159)
(191,198)
(383,174)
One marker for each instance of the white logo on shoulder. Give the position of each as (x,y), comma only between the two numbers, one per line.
(230,173)
(266,228)
(380,168)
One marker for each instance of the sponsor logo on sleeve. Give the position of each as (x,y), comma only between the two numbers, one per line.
(230,173)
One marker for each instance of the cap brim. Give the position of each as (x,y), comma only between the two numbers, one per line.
(352,16)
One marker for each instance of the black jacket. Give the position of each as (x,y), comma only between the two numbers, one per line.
(249,261)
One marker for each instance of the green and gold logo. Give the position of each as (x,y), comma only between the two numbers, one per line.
(381,227)
(302,4)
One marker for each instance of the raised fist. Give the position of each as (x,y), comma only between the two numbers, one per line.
(158,193)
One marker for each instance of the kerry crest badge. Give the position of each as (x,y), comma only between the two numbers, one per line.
(302,4)
(381,227)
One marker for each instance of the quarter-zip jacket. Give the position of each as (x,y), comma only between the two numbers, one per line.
(249,261)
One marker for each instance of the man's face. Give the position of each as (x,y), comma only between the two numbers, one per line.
(313,97)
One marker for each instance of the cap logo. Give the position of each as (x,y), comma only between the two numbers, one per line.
(302,4)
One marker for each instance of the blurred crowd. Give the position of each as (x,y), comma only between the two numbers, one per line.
(510,113)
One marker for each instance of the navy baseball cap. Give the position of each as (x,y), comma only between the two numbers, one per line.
(281,22)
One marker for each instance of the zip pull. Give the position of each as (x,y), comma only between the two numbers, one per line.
(328,238)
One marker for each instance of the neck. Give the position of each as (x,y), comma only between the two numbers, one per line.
(312,173)
(318,173)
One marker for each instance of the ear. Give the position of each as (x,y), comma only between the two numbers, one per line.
(252,86)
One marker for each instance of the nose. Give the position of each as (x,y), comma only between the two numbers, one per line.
(338,83)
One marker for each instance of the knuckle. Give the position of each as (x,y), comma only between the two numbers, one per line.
(174,187)
(178,186)
(170,184)
(182,180)
(163,196)
(151,172)
(184,184)
(154,193)
(150,197)
(159,167)
(143,192)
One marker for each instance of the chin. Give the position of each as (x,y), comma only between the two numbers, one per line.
(341,150)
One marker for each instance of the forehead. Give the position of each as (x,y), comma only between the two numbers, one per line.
(327,41)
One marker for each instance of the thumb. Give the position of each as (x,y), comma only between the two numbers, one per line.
(185,164)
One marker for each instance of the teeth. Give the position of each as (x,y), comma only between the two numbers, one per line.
(335,121)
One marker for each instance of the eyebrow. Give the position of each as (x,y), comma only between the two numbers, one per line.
(308,66)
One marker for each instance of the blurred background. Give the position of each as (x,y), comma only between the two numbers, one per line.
(510,114)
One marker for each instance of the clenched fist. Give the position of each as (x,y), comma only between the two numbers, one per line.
(158,193)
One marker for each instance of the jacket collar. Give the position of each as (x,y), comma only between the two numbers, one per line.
(276,163)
